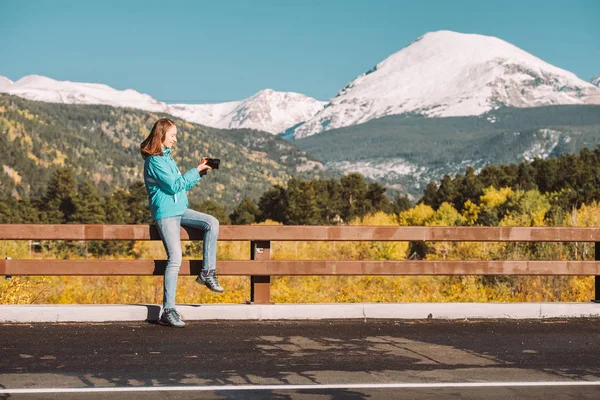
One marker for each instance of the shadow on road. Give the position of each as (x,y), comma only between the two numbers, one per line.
(300,352)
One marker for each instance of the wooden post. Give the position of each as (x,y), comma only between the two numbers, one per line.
(8,277)
(597,278)
(260,286)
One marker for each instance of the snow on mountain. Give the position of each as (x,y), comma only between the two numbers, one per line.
(41,88)
(543,147)
(4,83)
(378,169)
(266,110)
(596,81)
(279,110)
(440,74)
(205,114)
(447,73)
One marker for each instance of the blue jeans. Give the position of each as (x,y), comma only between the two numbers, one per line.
(169,230)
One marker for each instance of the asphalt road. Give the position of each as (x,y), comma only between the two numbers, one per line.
(531,359)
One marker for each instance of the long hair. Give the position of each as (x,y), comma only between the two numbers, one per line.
(152,145)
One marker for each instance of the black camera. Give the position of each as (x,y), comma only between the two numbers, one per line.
(213,162)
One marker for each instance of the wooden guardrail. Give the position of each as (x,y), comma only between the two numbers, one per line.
(260,267)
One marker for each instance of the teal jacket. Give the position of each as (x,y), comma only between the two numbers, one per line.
(166,186)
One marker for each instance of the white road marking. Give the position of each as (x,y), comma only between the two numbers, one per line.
(299,387)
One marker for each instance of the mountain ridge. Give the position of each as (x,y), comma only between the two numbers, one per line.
(445,73)
(267,110)
(440,74)
(405,152)
(101,144)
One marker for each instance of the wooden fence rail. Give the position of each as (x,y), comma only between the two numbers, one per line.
(260,267)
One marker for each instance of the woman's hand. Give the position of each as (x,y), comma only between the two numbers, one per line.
(202,166)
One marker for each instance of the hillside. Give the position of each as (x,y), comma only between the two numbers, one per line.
(406,152)
(102,143)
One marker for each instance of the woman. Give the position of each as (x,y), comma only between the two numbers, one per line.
(166,189)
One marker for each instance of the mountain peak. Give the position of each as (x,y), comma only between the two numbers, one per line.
(454,36)
(273,111)
(446,73)
(267,110)
(454,51)
(440,74)
(277,96)
(266,91)
(42,88)
(5,82)
(266,94)
(35,80)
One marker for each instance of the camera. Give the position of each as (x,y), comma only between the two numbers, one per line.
(213,162)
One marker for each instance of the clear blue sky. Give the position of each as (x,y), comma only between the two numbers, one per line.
(212,51)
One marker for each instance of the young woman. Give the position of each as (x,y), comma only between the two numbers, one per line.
(167,189)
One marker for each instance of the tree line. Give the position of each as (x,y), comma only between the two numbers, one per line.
(317,201)
(572,179)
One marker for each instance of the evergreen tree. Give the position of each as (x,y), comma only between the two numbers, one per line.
(245,213)
(138,211)
(329,200)
(468,187)
(114,208)
(376,199)
(401,203)
(489,217)
(6,210)
(88,206)
(447,192)
(301,205)
(546,173)
(526,177)
(430,194)
(89,210)
(272,204)
(354,191)
(58,204)
(25,211)
(115,205)
(491,175)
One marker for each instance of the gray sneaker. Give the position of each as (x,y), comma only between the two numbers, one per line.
(209,278)
(171,317)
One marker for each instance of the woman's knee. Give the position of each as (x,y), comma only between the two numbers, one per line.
(174,261)
(214,223)
(211,222)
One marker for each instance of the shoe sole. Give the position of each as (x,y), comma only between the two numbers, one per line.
(170,325)
(201,282)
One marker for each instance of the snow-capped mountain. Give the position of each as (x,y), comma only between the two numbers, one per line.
(447,73)
(276,110)
(440,74)
(266,110)
(205,114)
(41,88)
(4,82)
